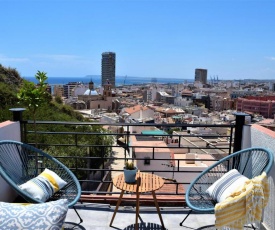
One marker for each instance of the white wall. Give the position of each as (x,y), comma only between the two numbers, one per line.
(182,102)
(153,93)
(188,177)
(155,164)
(263,137)
(8,131)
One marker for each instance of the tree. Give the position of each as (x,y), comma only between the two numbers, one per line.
(33,96)
(58,100)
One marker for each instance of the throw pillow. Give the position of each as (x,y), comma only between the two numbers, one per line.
(43,216)
(44,185)
(226,185)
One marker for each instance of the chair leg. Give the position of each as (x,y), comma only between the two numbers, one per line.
(186,217)
(252,226)
(78,216)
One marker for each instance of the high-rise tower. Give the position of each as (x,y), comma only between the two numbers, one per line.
(201,75)
(108,68)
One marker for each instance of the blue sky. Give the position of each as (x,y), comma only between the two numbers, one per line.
(233,39)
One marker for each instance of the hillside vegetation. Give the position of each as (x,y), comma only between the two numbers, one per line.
(10,84)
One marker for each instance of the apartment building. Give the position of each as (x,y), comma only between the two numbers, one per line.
(108,68)
(219,103)
(242,93)
(264,106)
(58,90)
(165,97)
(201,75)
(68,89)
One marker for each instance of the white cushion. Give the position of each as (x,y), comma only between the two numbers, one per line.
(44,185)
(44,216)
(226,185)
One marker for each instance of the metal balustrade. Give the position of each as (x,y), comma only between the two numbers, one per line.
(97,179)
(86,151)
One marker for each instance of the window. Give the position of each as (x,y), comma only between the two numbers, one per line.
(146,160)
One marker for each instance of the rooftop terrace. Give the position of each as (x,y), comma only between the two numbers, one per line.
(98,206)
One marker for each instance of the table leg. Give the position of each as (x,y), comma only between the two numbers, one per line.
(137,202)
(117,205)
(158,210)
(137,211)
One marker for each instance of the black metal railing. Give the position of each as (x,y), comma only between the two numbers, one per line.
(91,149)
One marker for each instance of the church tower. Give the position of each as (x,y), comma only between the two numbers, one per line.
(107,91)
(91,85)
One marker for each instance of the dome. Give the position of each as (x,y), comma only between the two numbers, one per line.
(91,92)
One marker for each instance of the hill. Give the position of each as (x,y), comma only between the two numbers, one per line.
(10,83)
(10,76)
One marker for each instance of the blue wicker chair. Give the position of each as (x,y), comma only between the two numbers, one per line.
(249,162)
(20,162)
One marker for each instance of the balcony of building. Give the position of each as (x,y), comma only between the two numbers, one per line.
(177,154)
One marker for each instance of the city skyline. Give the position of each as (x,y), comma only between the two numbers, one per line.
(152,39)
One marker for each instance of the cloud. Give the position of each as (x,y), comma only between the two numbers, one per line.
(46,58)
(271,58)
(12,59)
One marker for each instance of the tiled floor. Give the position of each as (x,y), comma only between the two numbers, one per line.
(98,217)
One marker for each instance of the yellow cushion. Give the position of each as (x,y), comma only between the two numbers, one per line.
(44,185)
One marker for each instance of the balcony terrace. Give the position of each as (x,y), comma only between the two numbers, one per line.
(98,216)
(177,156)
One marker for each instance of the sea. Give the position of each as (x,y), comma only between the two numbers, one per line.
(120,80)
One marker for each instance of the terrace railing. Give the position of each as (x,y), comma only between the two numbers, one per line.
(96,152)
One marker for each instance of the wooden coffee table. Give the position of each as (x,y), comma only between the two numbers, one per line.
(145,182)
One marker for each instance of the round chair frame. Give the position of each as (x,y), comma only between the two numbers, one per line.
(249,162)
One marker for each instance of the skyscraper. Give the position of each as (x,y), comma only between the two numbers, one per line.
(201,75)
(108,68)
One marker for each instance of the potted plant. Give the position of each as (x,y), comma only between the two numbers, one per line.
(130,171)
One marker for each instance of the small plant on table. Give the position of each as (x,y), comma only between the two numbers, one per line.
(129,165)
(130,171)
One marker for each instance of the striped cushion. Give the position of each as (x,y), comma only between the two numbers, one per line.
(226,185)
(44,185)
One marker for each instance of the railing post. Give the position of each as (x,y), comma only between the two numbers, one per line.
(17,113)
(127,137)
(127,140)
(240,122)
(17,116)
